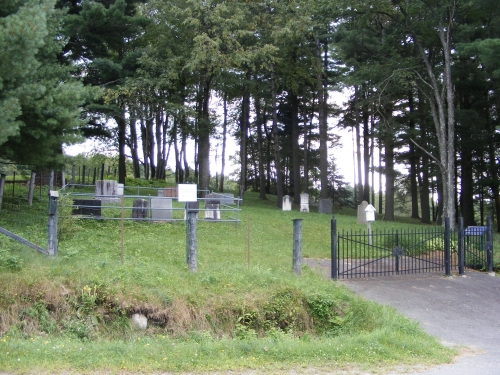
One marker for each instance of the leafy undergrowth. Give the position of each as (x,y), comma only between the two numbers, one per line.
(242,309)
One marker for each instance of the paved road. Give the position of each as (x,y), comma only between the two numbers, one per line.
(458,310)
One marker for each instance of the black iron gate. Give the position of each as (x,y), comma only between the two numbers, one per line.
(398,252)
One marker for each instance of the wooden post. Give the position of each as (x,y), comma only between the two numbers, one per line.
(297,246)
(31,189)
(52,227)
(192,258)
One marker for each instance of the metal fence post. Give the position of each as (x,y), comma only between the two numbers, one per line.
(297,246)
(489,244)
(191,255)
(334,248)
(447,254)
(52,226)
(461,252)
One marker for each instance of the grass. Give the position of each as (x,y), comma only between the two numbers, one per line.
(243,309)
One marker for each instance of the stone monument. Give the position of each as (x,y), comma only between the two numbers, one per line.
(325,206)
(304,202)
(287,203)
(161,209)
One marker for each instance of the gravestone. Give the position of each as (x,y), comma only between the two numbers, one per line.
(325,206)
(225,198)
(107,191)
(169,192)
(192,206)
(140,209)
(304,202)
(362,213)
(287,203)
(161,209)
(87,207)
(212,207)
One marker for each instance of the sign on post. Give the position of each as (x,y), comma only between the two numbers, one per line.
(187,192)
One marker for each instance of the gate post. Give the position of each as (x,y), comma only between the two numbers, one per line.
(461,253)
(191,255)
(52,224)
(447,246)
(297,246)
(334,248)
(489,244)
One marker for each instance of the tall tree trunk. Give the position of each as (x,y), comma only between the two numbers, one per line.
(245,119)
(389,144)
(493,170)
(204,140)
(372,157)
(294,102)
(380,191)
(413,160)
(277,153)
(366,153)
(359,184)
(122,130)
(133,143)
(425,177)
(322,118)
(224,141)
(178,168)
(260,146)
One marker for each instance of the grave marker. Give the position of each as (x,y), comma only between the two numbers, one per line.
(287,203)
(304,202)
(161,209)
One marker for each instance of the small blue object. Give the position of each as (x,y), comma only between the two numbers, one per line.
(475,231)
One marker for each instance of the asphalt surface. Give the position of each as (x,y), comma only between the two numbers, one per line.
(459,310)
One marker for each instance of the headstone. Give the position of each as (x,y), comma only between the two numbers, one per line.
(223,198)
(362,213)
(287,203)
(161,209)
(304,202)
(192,206)
(107,191)
(87,207)
(106,188)
(325,206)
(140,209)
(212,207)
(170,192)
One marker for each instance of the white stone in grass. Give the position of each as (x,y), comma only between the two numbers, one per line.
(139,321)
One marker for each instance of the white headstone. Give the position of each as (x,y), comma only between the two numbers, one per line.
(107,191)
(287,203)
(161,209)
(304,202)
(362,213)
(212,207)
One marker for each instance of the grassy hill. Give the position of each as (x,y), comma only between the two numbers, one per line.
(242,309)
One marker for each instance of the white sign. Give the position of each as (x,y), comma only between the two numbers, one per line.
(187,192)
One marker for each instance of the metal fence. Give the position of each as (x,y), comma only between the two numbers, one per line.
(147,204)
(399,252)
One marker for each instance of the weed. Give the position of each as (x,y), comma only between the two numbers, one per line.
(9,260)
